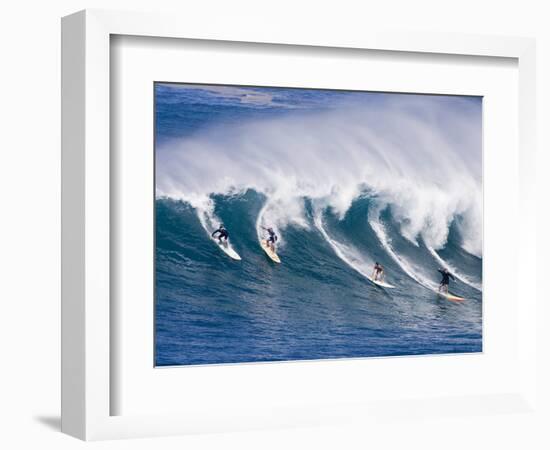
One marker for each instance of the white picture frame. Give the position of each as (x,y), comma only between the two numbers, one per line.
(87,385)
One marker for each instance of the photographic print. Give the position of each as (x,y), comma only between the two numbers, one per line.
(308,224)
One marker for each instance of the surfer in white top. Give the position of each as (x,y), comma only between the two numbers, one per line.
(378,272)
(270,241)
(223,234)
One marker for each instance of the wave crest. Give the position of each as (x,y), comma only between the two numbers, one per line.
(423,160)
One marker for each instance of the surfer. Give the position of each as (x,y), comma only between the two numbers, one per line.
(222,233)
(270,241)
(445,280)
(378,272)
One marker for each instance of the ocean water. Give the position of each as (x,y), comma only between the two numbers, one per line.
(346,179)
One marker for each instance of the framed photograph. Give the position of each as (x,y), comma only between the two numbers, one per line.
(264,229)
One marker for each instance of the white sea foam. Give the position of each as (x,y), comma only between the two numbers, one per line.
(359,262)
(408,267)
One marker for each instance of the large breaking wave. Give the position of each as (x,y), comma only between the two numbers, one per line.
(418,165)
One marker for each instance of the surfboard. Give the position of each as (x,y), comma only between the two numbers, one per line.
(226,248)
(269,252)
(381,283)
(451,297)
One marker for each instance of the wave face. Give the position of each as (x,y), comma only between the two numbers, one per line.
(345,182)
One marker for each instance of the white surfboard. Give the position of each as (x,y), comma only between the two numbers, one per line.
(226,248)
(381,283)
(269,252)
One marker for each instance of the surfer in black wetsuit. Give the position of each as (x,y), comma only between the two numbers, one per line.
(445,280)
(378,272)
(270,241)
(222,233)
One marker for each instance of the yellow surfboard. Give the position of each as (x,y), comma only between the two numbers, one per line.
(451,297)
(269,252)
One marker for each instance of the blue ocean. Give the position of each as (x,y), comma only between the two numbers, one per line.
(346,179)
